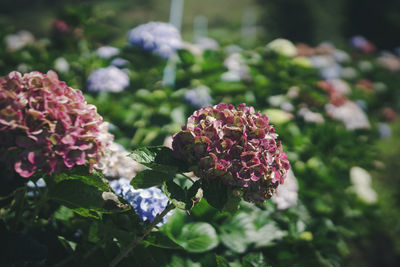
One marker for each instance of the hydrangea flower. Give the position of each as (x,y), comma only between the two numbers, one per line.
(283,46)
(287,194)
(17,41)
(361,185)
(361,43)
(147,203)
(119,62)
(114,161)
(237,68)
(310,116)
(109,79)
(159,37)
(350,114)
(61,65)
(107,51)
(199,97)
(45,125)
(236,146)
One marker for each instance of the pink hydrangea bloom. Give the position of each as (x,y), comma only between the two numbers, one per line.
(236,146)
(45,125)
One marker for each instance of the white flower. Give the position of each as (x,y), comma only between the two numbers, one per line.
(350,114)
(340,86)
(61,65)
(287,193)
(207,43)
(237,68)
(310,116)
(17,41)
(361,185)
(115,161)
(107,51)
(283,46)
(108,79)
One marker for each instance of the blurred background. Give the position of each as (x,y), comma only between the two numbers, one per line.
(309,21)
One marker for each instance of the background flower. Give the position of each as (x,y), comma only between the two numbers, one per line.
(109,79)
(159,37)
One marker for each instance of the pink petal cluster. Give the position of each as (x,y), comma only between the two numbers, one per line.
(45,125)
(236,146)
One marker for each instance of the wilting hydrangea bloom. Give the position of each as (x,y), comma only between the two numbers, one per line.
(114,161)
(146,202)
(159,37)
(199,97)
(236,146)
(109,79)
(107,51)
(45,125)
(287,194)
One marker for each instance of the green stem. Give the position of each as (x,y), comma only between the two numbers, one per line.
(137,240)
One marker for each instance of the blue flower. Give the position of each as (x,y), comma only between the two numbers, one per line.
(109,79)
(199,97)
(107,51)
(146,202)
(119,62)
(159,37)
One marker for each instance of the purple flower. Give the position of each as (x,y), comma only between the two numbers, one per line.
(237,146)
(159,37)
(45,125)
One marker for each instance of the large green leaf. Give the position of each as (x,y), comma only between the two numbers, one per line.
(159,239)
(149,178)
(158,158)
(197,237)
(82,198)
(82,174)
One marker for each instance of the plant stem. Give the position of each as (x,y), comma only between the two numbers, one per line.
(136,241)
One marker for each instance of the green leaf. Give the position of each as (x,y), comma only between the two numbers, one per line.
(159,239)
(233,233)
(215,193)
(221,261)
(82,174)
(149,178)
(254,260)
(197,237)
(82,198)
(158,158)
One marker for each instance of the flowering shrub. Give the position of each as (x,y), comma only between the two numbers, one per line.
(159,37)
(45,125)
(109,79)
(236,146)
(146,202)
